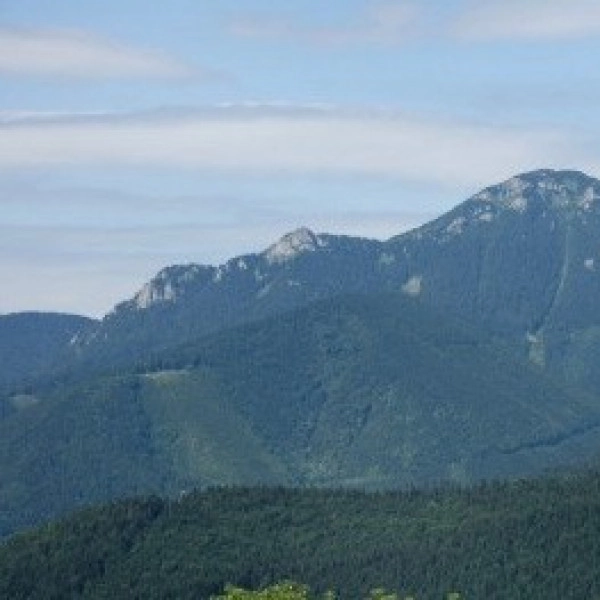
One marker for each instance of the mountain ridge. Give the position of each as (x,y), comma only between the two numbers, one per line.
(508,194)
(519,258)
(505,258)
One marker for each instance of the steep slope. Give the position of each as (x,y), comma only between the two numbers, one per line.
(32,343)
(520,257)
(368,391)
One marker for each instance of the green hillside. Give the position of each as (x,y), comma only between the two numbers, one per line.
(374,392)
(533,540)
(122,436)
(381,391)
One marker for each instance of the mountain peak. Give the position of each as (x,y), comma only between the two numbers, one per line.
(292,244)
(560,189)
(167,285)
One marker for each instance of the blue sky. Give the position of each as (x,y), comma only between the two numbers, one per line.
(135,134)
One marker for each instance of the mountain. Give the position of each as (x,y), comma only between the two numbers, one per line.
(368,391)
(525,539)
(465,349)
(186,301)
(32,343)
(519,259)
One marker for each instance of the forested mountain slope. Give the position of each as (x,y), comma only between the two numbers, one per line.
(369,391)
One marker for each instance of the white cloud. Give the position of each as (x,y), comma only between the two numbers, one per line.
(293,141)
(529,20)
(397,21)
(383,23)
(78,54)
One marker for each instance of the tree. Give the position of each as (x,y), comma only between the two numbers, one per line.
(287,590)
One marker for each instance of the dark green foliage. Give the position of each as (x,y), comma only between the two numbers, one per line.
(286,590)
(290,590)
(87,444)
(53,565)
(525,539)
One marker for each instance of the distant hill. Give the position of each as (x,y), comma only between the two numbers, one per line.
(526,539)
(32,343)
(368,391)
